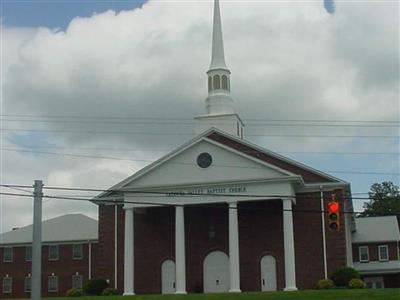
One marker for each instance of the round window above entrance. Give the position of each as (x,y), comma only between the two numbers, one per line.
(204,160)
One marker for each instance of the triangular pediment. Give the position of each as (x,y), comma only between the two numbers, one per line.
(227,165)
(233,160)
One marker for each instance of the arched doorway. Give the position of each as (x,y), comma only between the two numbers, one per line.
(216,272)
(168,277)
(268,273)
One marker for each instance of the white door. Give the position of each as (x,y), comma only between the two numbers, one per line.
(168,277)
(216,272)
(268,273)
(374,282)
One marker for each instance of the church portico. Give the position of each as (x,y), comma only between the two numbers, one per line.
(200,230)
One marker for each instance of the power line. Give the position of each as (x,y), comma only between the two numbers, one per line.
(192,123)
(191,119)
(182,163)
(174,205)
(169,194)
(27,147)
(187,133)
(17,189)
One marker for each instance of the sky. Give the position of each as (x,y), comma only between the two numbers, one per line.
(124,79)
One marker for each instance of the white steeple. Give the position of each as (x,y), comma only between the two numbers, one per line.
(219,104)
(218,56)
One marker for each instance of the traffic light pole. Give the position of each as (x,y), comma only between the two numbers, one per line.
(323,231)
(36,282)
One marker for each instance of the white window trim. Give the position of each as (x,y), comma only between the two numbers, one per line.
(26,253)
(58,253)
(81,280)
(11,284)
(48,284)
(12,255)
(387,252)
(359,253)
(25,285)
(80,257)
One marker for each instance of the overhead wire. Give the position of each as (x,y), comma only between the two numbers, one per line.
(209,205)
(188,133)
(190,119)
(270,123)
(183,163)
(172,193)
(25,147)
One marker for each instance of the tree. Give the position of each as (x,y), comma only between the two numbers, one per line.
(384,200)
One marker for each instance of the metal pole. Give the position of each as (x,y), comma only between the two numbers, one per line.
(321,188)
(37,242)
(115,246)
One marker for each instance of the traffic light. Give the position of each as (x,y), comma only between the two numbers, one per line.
(333,214)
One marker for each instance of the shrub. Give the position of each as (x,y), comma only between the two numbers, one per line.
(74,293)
(356,284)
(110,292)
(324,284)
(343,275)
(95,287)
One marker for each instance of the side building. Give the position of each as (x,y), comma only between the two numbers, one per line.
(69,250)
(376,251)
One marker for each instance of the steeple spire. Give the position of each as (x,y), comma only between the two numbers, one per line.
(218,56)
(219,104)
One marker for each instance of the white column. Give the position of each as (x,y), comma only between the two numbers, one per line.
(180,260)
(288,237)
(234,249)
(128,253)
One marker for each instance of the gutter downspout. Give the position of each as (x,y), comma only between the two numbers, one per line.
(90,259)
(323,231)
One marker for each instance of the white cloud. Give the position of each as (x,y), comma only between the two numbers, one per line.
(288,61)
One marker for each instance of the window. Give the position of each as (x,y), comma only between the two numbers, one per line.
(28,253)
(28,284)
(77,281)
(363,253)
(77,251)
(53,252)
(217,84)
(209,83)
(374,282)
(224,82)
(7,254)
(383,253)
(53,283)
(7,285)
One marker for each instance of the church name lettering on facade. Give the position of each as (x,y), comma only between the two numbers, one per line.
(210,191)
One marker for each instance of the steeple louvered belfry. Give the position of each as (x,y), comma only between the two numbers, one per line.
(219,103)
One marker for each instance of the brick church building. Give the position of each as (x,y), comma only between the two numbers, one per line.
(217,214)
(221,214)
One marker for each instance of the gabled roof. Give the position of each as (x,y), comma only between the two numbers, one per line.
(376,229)
(285,165)
(66,228)
(308,174)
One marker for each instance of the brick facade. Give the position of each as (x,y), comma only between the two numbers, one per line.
(64,268)
(373,250)
(206,230)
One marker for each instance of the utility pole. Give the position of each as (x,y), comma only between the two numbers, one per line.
(36,284)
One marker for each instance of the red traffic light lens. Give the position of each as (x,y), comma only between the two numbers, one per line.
(333,207)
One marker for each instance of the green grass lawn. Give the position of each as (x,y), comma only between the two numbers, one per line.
(365,294)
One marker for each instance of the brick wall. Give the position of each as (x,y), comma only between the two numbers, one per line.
(64,268)
(373,250)
(260,233)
